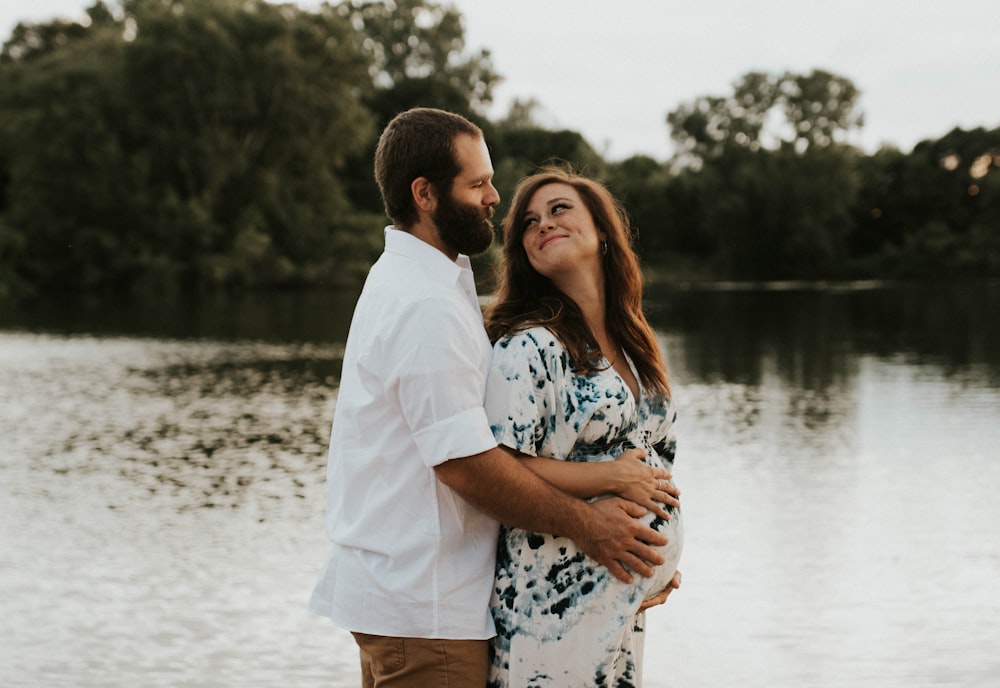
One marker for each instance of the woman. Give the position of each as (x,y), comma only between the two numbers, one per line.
(576,376)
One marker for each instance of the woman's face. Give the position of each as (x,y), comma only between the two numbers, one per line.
(559,232)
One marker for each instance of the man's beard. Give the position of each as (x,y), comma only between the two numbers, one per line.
(463,228)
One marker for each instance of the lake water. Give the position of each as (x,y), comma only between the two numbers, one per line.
(162,469)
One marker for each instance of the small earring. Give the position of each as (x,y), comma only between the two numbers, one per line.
(604,248)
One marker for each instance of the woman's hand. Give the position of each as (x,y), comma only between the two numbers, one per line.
(662,596)
(646,486)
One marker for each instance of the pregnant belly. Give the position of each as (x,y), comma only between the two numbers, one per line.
(674,531)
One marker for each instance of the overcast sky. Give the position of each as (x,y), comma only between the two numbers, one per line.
(613,69)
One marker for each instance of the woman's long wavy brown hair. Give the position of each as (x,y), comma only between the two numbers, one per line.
(524,298)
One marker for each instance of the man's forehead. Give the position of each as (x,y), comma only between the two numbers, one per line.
(472,156)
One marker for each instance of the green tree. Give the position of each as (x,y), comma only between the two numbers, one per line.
(641,183)
(804,111)
(820,107)
(184,142)
(710,125)
(933,212)
(256,109)
(417,57)
(772,185)
(72,188)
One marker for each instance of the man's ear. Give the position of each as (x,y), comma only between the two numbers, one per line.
(424,194)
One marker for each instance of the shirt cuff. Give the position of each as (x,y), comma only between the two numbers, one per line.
(463,434)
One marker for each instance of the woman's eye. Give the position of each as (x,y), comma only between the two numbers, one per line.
(530,222)
(559,207)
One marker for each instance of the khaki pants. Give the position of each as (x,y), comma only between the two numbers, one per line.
(390,662)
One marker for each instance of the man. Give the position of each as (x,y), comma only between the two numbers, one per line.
(415,478)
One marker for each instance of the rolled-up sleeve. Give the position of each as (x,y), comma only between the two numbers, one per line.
(440,384)
(463,434)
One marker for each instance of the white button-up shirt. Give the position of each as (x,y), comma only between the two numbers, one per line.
(410,557)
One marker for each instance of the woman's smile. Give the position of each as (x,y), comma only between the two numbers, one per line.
(549,240)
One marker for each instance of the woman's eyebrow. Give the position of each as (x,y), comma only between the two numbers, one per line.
(549,203)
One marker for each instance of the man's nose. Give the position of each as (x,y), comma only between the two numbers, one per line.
(492,196)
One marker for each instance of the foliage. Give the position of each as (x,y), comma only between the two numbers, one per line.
(525,150)
(71,188)
(642,185)
(770,183)
(416,53)
(170,144)
(193,143)
(416,50)
(766,188)
(800,111)
(935,212)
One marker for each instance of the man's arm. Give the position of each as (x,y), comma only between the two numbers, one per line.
(607,530)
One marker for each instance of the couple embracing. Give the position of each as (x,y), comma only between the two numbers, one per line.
(500,500)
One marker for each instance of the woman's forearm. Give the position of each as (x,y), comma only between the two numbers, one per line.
(627,476)
(580,479)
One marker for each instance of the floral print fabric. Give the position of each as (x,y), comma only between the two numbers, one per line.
(562,619)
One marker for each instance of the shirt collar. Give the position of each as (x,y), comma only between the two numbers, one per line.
(437,264)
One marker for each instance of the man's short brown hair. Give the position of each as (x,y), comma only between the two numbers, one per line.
(417,143)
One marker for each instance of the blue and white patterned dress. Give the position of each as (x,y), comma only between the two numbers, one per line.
(562,619)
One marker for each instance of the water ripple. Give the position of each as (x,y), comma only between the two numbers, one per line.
(205,424)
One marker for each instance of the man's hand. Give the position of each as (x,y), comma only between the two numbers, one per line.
(662,596)
(616,539)
(607,530)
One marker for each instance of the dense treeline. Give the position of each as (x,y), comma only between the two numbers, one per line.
(199,144)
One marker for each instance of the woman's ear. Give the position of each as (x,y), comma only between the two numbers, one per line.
(423,194)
